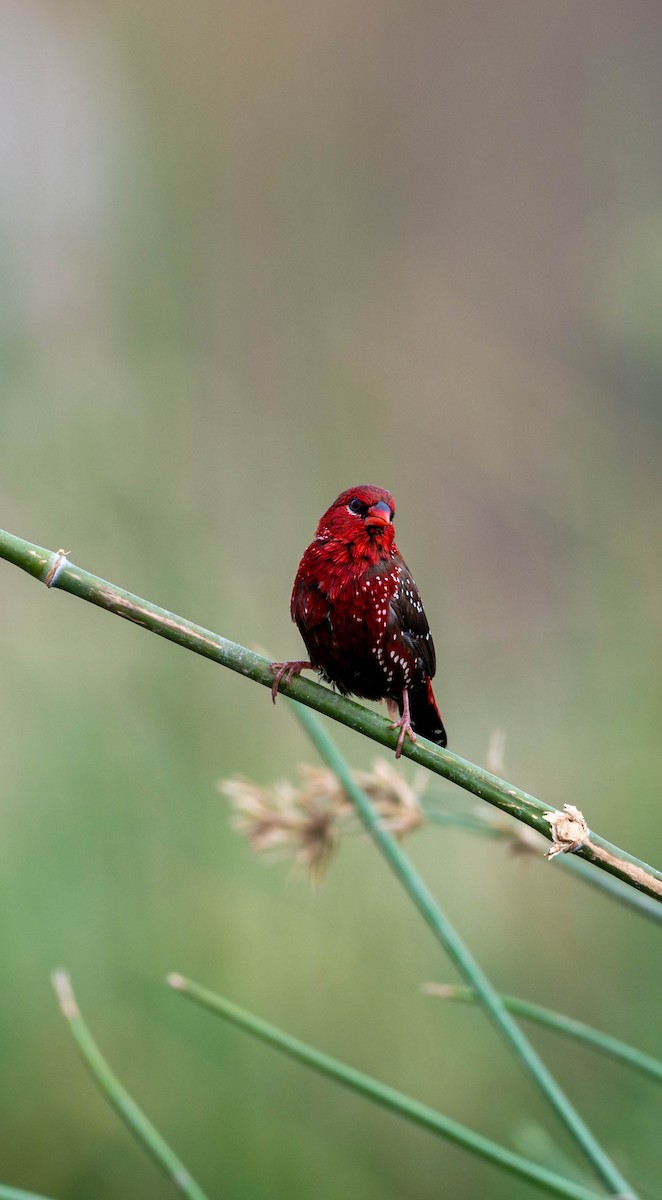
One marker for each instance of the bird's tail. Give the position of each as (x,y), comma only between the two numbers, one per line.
(424,714)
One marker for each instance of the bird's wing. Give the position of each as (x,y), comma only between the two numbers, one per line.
(309,607)
(407,615)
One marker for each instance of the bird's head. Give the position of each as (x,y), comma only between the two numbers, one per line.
(363,516)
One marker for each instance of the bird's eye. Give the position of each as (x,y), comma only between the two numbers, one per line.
(355,505)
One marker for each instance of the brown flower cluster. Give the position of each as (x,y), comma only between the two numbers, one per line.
(308,820)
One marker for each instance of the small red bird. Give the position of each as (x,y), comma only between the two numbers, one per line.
(360,614)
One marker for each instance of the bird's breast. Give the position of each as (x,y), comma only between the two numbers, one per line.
(354,644)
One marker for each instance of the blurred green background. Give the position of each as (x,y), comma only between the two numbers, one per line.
(251,254)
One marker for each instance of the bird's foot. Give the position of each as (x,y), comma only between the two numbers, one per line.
(287,671)
(406,731)
(403,723)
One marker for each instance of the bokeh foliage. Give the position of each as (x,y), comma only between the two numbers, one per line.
(250,255)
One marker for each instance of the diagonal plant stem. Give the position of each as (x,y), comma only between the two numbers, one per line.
(645,1064)
(12,1193)
(460,954)
(614,887)
(141,1127)
(487,825)
(56,571)
(387,1097)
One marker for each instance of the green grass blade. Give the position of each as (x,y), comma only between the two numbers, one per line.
(12,1193)
(135,1120)
(387,1097)
(645,905)
(486,826)
(645,1064)
(460,954)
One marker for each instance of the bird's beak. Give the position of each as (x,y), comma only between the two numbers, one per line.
(378,514)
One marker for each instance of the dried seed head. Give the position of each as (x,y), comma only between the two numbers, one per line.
(569,830)
(282,819)
(396,801)
(308,820)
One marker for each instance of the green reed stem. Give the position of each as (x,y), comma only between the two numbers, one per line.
(486,826)
(135,1120)
(56,571)
(645,1064)
(387,1097)
(460,954)
(12,1193)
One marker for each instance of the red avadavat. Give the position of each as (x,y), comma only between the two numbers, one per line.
(360,614)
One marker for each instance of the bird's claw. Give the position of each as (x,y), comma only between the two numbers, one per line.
(402,723)
(406,731)
(286,671)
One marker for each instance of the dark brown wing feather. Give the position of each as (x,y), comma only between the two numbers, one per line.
(311,612)
(407,615)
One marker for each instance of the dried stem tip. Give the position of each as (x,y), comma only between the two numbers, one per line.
(63,990)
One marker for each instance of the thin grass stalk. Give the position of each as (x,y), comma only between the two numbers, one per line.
(464,960)
(645,1064)
(55,570)
(615,888)
(135,1120)
(387,1097)
(485,826)
(12,1193)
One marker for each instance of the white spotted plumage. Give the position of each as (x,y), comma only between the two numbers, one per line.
(360,613)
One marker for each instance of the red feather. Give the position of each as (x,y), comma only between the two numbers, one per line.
(360,614)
